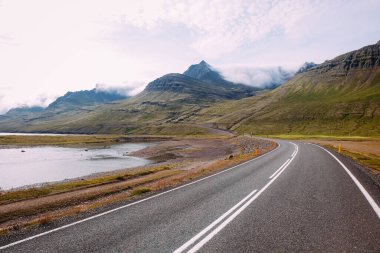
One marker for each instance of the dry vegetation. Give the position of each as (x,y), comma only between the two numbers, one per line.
(72,140)
(364,150)
(179,161)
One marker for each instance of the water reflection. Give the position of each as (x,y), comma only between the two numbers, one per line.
(27,166)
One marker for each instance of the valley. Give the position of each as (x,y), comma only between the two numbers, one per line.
(201,125)
(189,126)
(338,97)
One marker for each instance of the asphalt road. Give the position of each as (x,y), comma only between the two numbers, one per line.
(296,198)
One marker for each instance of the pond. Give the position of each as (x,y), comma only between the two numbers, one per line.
(35,165)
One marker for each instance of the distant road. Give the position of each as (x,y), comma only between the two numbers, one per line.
(297,198)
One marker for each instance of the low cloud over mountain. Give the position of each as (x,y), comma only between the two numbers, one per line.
(261,77)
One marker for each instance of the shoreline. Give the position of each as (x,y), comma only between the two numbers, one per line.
(188,159)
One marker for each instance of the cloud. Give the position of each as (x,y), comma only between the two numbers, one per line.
(5,39)
(220,26)
(126,89)
(8,101)
(51,47)
(268,77)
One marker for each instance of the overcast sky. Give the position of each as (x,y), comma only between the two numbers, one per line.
(50,47)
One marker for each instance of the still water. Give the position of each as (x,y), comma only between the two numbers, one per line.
(27,166)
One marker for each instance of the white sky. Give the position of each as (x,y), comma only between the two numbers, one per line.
(50,47)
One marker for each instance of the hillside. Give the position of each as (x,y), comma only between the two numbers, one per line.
(24,111)
(164,104)
(339,96)
(29,119)
(78,99)
(198,88)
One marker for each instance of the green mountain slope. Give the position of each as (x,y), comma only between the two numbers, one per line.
(167,101)
(340,96)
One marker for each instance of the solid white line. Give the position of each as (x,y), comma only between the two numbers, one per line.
(199,245)
(134,203)
(204,231)
(279,169)
(370,200)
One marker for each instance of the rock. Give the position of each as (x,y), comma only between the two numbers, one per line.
(365,58)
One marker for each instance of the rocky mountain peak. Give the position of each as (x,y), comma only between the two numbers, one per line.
(306,66)
(204,72)
(203,63)
(365,58)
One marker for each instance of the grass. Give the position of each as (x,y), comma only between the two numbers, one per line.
(26,140)
(367,160)
(308,104)
(370,161)
(361,155)
(139,191)
(13,196)
(95,193)
(106,190)
(23,194)
(320,137)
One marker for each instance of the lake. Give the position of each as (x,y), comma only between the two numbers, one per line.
(34,165)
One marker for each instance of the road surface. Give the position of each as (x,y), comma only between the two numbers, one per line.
(298,197)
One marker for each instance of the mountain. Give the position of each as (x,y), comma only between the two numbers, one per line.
(24,111)
(340,96)
(168,100)
(274,76)
(79,99)
(306,66)
(204,72)
(198,88)
(70,101)
(29,119)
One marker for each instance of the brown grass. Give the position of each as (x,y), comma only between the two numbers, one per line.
(13,196)
(75,140)
(366,153)
(71,198)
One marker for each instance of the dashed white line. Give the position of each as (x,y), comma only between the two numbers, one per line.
(131,204)
(200,244)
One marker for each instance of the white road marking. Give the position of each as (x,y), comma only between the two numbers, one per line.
(370,200)
(200,244)
(279,169)
(204,231)
(131,204)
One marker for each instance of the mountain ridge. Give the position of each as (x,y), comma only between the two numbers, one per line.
(204,72)
(338,97)
(84,98)
(166,100)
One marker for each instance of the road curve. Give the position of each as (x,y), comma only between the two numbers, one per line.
(296,198)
